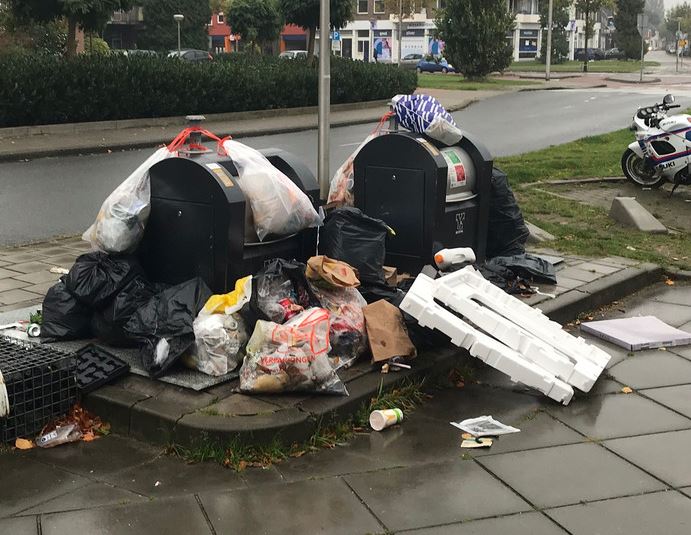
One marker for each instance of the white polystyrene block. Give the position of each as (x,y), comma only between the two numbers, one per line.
(466,289)
(419,303)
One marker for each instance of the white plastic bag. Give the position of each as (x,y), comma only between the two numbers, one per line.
(120,222)
(220,331)
(291,357)
(341,185)
(278,205)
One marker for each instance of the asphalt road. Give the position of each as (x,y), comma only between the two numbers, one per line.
(52,197)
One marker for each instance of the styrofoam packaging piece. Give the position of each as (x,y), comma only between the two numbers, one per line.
(419,303)
(579,373)
(528,318)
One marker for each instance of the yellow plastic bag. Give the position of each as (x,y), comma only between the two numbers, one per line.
(231,302)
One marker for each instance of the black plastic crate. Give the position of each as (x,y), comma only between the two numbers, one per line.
(41,385)
(97,367)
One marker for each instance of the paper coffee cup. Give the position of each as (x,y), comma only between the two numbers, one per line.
(379,420)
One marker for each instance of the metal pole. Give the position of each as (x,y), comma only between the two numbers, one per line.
(642,50)
(324,98)
(178,38)
(548,64)
(400,29)
(676,44)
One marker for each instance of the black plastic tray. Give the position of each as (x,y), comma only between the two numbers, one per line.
(97,367)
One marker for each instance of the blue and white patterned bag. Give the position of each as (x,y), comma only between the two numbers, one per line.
(424,114)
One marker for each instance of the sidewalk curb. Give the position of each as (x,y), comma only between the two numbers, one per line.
(237,133)
(164,422)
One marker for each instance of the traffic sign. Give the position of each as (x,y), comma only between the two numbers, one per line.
(642,23)
(335,36)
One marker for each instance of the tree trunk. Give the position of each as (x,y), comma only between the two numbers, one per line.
(311,41)
(71,48)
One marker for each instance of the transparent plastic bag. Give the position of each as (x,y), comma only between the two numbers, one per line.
(347,333)
(278,205)
(292,357)
(220,331)
(120,222)
(219,340)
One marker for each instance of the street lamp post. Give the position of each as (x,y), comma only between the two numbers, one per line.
(178,18)
(324,98)
(548,63)
(676,47)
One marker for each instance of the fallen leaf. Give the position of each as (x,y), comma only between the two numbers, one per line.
(627,390)
(89,436)
(299,453)
(23,444)
(669,282)
(242,465)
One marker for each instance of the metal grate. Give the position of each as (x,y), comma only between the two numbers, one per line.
(41,385)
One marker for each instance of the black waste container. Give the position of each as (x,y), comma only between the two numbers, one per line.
(201,224)
(433,196)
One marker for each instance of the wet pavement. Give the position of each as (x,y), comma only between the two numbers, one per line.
(608,463)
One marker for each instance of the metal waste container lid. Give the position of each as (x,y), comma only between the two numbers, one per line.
(461,174)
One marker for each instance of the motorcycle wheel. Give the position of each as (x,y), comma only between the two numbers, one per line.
(635,170)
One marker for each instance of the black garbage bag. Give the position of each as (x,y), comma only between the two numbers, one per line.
(527,266)
(279,291)
(504,278)
(164,324)
(109,323)
(64,318)
(506,231)
(357,239)
(96,277)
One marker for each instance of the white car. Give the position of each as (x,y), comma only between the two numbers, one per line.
(293,54)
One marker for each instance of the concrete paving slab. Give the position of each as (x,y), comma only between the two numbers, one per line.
(257,476)
(174,477)
(11,284)
(26,483)
(682,351)
(664,455)
(25,525)
(599,268)
(11,297)
(66,258)
(576,273)
(677,398)
(602,387)
(432,494)
(661,512)
(567,283)
(674,315)
(28,267)
(677,295)
(519,524)
(7,273)
(650,371)
(618,415)
(88,497)
(40,289)
(38,277)
(304,507)
(19,256)
(565,475)
(102,456)
(617,261)
(686,327)
(179,515)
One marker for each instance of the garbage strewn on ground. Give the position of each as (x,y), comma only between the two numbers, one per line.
(231,274)
(637,333)
(485,426)
(381,419)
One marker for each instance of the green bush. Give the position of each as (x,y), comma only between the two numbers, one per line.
(43,89)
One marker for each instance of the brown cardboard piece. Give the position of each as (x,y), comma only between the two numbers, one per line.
(386,332)
(335,272)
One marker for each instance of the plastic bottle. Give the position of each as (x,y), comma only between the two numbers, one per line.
(454,257)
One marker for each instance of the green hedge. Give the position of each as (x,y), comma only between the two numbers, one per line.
(46,90)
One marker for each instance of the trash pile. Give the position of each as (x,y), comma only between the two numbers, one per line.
(292,326)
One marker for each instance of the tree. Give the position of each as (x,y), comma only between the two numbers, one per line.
(627,37)
(560,20)
(257,21)
(91,15)
(305,13)
(589,9)
(162,31)
(475,35)
(679,16)
(655,10)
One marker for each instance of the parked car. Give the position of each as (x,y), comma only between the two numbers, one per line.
(293,54)
(594,54)
(442,65)
(190,54)
(410,61)
(614,53)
